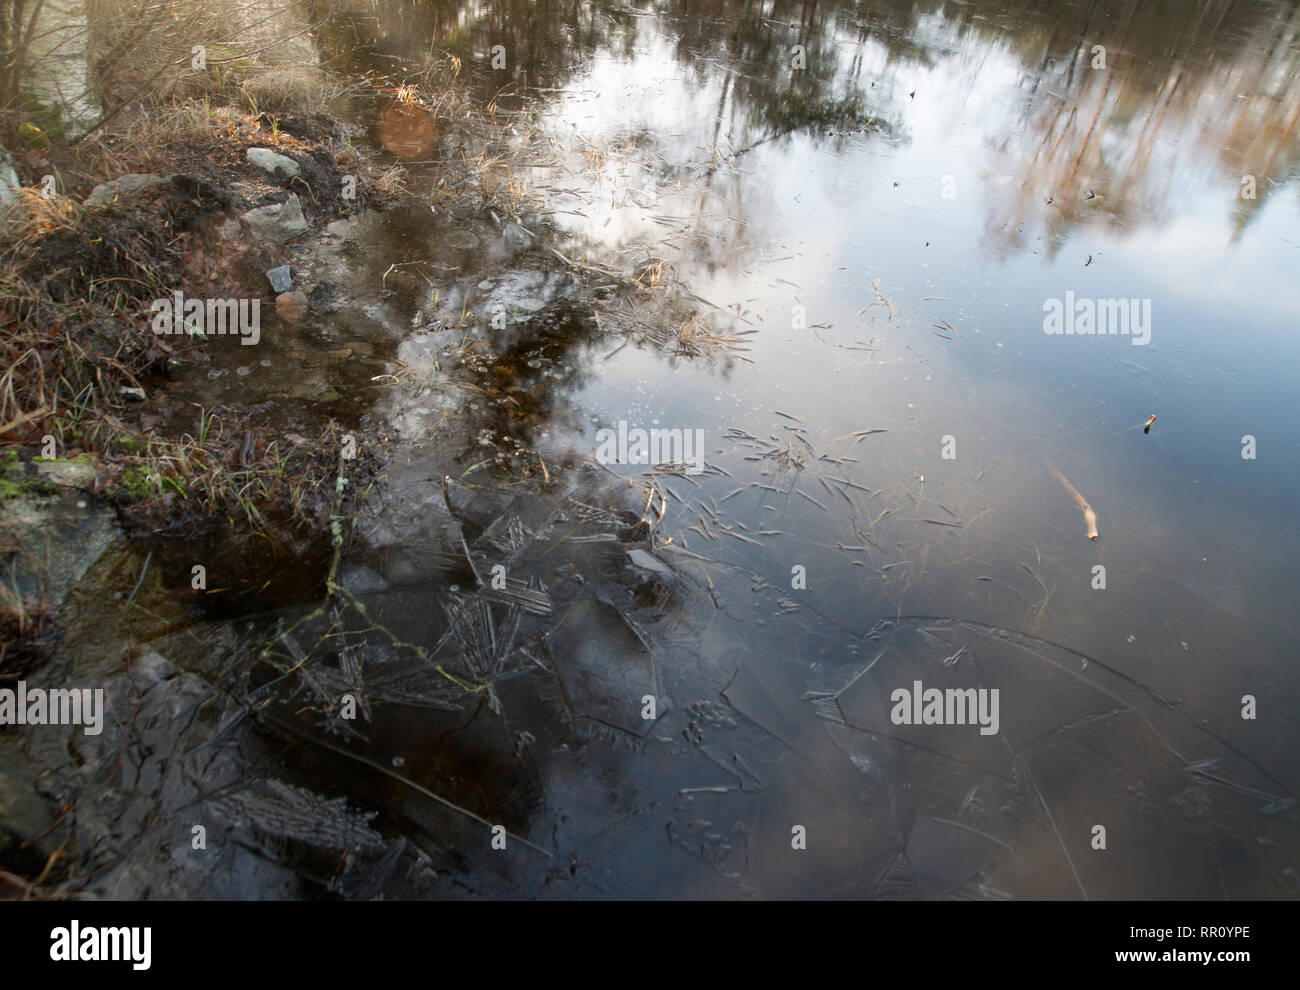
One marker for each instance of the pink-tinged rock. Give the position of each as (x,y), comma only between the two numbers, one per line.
(291,307)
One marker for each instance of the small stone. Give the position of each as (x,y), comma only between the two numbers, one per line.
(273,162)
(281,278)
(325,297)
(122,187)
(291,306)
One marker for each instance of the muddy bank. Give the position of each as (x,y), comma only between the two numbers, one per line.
(94,381)
(135,460)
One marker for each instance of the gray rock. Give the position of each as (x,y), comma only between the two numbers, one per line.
(67,474)
(70,537)
(273,162)
(9,184)
(281,278)
(123,187)
(324,297)
(24,813)
(277,222)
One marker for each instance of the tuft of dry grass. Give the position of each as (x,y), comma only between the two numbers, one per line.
(30,215)
(220,469)
(296,89)
(392,182)
(654,306)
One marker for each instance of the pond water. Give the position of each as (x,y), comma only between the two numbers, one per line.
(874,206)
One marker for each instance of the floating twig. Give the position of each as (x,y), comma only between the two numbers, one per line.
(1089,517)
